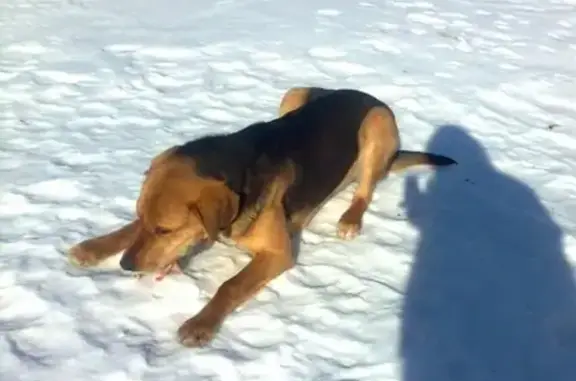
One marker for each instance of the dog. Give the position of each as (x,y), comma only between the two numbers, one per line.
(258,187)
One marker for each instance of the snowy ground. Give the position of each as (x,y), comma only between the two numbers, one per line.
(464,274)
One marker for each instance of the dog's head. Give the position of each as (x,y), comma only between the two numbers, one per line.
(176,208)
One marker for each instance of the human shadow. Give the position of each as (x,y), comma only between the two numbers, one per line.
(490,296)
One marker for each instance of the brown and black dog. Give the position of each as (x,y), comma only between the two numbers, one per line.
(258,187)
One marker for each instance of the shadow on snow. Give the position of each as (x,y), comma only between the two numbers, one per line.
(490,296)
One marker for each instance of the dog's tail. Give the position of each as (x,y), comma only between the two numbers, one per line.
(405,159)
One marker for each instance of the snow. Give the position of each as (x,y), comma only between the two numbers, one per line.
(465,273)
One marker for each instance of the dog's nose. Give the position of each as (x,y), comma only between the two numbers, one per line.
(126,263)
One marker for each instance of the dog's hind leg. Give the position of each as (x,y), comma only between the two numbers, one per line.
(296,97)
(378,143)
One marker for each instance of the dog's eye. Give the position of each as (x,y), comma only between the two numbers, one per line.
(161,231)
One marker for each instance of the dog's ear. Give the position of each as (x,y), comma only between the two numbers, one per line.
(217,207)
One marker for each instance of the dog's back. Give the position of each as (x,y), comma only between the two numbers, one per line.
(320,140)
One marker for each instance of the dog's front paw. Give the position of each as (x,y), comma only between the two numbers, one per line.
(81,255)
(197,331)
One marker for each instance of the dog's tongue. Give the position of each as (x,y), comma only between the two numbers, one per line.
(173,268)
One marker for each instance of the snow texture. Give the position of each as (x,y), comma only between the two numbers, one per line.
(463,274)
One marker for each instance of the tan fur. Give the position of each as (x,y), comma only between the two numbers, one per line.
(93,251)
(293,98)
(160,158)
(268,241)
(297,97)
(178,208)
(406,159)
